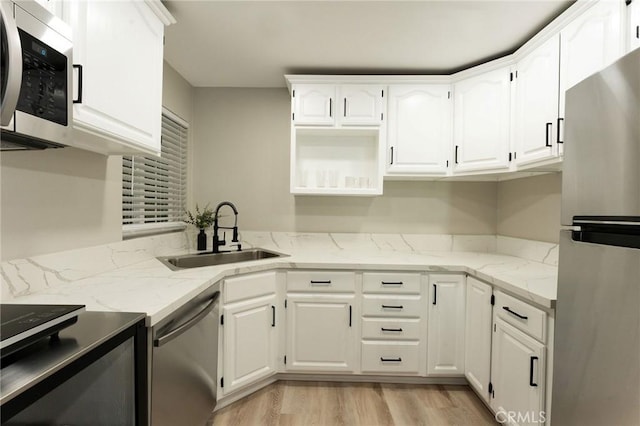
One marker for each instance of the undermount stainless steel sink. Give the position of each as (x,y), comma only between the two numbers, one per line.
(177,263)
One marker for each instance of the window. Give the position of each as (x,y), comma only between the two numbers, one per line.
(154,189)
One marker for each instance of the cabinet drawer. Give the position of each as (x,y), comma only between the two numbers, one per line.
(392,329)
(391,357)
(391,283)
(321,281)
(249,286)
(521,315)
(374,306)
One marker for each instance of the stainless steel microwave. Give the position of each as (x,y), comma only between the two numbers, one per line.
(37,67)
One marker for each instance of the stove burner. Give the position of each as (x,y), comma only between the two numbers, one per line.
(23,325)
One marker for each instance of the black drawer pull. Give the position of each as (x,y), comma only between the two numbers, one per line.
(391,359)
(321,282)
(399,330)
(273,316)
(560,120)
(531,383)
(435,294)
(392,307)
(506,308)
(392,282)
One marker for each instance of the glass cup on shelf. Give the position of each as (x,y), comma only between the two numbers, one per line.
(303,178)
(321,178)
(332,177)
(350,182)
(363,182)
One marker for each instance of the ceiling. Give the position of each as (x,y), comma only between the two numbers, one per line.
(254,43)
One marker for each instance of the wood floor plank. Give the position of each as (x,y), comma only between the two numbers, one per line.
(294,403)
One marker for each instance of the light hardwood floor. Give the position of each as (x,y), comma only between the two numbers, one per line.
(350,404)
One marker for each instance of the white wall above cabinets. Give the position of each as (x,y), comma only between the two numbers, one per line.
(419,129)
(118,54)
(481,121)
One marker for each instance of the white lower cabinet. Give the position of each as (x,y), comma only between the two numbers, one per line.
(517,376)
(250,330)
(445,342)
(477,359)
(393,324)
(320,334)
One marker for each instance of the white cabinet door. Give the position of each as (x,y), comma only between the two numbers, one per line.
(536,115)
(361,105)
(419,129)
(481,121)
(119,45)
(590,43)
(445,341)
(314,104)
(517,375)
(633,25)
(250,341)
(320,333)
(477,359)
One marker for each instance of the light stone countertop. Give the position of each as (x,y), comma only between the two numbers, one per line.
(126,276)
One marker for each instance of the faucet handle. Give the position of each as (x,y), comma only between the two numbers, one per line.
(235,235)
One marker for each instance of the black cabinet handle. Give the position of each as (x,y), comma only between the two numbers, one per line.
(320,282)
(392,282)
(546,129)
(399,330)
(506,308)
(531,359)
(345,107)
(391,155)
(273,316)
(435,294)
(560,120)
(350,309)
(330,107)
(391,359)
(456,154)
(392,307)
(79,68)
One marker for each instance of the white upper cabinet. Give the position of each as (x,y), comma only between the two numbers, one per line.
(419,129)
(633,25)
(314,104)
(445,337)
(481,121)
(342,105)
(118,50)
(477,360)
(536,109)
(590,42)
(361,105)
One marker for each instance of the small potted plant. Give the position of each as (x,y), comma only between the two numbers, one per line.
(202,219)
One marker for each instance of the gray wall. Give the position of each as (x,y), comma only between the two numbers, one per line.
(530,207)
(241,153)
(59,199)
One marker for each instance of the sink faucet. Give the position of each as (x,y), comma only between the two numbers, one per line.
(217,242)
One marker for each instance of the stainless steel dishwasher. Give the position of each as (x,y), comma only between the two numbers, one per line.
(184,363)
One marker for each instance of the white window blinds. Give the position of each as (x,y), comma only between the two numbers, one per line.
(154,189)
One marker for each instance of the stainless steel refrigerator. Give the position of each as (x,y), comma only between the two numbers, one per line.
(596,371)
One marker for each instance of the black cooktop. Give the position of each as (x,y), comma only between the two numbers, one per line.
(23,325)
